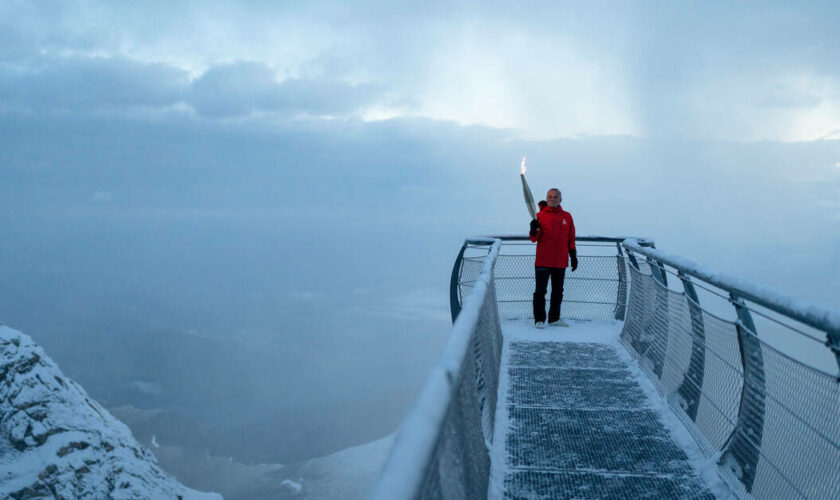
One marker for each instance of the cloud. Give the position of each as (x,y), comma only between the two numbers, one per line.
(789,96)
(82,85)
(241,88)
(148,388)
(86,84)
(306,295)
(717,71)
(102,197)
(409,305)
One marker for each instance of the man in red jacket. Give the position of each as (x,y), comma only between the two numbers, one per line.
(554,232)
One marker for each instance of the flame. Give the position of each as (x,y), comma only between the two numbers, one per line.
(523,168)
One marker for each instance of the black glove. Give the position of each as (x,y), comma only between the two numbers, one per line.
(534,226)
(573,253)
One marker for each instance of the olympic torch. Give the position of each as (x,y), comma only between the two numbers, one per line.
(526,191)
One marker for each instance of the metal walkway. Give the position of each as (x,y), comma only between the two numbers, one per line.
(509,411)
(573,422)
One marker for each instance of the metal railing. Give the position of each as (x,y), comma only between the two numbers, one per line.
(772,422)
(597,290)
(441,448)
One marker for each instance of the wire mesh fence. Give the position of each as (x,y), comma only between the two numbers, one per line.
(596,290)
(774,420)
(441,449)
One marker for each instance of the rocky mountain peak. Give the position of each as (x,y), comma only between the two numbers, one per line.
(57,442)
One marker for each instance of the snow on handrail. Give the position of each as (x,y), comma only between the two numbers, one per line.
(820,317)
(417,438)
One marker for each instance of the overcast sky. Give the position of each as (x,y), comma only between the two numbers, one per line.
(712,127)
(653,117)
(749,71)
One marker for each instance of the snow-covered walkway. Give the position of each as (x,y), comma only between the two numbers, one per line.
(577,418)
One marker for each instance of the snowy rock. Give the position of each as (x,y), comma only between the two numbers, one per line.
(348,474)
(294,486)
(57,442)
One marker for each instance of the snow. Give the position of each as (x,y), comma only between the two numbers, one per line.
(348,474)
(603,332)
(705,466)
(56,440)
(511,331)
(295,487)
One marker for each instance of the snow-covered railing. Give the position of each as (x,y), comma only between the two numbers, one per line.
(772,421)
(441,448)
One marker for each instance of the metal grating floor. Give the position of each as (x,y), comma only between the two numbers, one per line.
(579,426)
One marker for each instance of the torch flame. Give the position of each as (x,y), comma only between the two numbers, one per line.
(523,165)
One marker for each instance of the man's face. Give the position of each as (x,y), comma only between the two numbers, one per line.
(553,198)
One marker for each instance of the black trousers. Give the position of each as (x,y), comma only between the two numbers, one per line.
(558,276)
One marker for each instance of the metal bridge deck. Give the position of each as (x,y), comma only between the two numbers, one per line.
(573,422)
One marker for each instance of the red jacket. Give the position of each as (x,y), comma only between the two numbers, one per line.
(555,237)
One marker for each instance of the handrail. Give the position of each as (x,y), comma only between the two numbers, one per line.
(648,242)
(454,300)
(823,318)
(454,281)
(414,448)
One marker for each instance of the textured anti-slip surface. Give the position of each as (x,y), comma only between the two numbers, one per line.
(580,426)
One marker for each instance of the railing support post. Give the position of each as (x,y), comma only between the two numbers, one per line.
(692,384)
(742,448)
(660,334)
(454,293)
(621,298)
(832,341)
(633,260)
(658,272)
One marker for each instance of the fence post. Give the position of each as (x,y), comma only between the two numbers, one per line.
(692,383)
(634,325)
(454,293)
(832,341)
(621,298)
(633,260)
(658,272)
(660,327)
(742,448)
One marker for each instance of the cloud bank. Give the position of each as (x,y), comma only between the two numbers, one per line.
(699,72)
